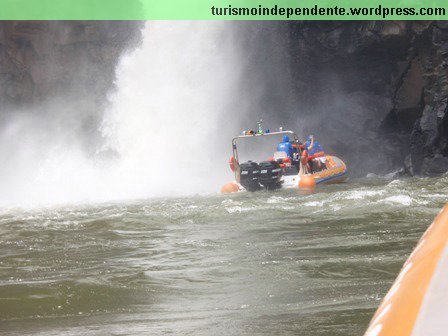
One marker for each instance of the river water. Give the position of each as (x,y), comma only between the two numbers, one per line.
(264,263)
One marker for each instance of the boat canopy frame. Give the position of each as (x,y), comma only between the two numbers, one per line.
(255,135)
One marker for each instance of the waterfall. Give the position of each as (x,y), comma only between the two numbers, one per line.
(166,130)
(168,113)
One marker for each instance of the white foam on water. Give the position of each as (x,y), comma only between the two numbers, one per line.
(336,208)
(313,204)
(434,196)
(395,183)
(279,200)
(362,194)
(400,199)
(234,209)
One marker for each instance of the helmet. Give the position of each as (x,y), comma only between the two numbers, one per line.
(285,138)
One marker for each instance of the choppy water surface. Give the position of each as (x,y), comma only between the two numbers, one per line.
(247,264)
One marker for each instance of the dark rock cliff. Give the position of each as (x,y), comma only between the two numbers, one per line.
(377,91)
(46,59)
(62,72)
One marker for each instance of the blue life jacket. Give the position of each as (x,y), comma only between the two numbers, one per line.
(317,147)
(285,147)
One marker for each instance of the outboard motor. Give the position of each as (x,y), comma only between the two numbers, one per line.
(249,175)
(270,174)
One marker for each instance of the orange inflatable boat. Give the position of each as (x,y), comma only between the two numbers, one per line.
(417,303)
(281,171)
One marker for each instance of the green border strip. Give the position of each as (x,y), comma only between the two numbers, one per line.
(201,9)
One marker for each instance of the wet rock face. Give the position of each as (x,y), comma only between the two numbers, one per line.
(389,86)
(374,93)
(45,59)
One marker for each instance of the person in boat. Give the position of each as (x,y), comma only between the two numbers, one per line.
(316,154)
(286,146)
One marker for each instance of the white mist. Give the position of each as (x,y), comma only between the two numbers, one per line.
(168,110)
(166,132)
